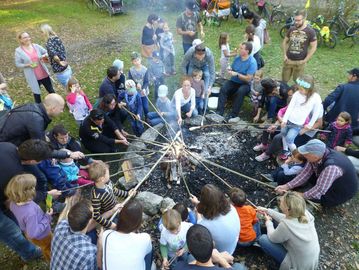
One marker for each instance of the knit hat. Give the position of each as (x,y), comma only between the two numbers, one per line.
(162,90)
(118,63)
(315,147)
(96,114)
(130,87)
(354,72)
(135,55)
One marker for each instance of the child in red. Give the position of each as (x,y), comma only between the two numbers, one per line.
(250,227)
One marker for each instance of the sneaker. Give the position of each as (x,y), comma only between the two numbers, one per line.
(260,147)
(36,255)
(229,116)
(284,155)
(262,157)
(268,177)
(234,120)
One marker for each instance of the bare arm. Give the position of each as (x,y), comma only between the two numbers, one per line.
(285,45)
(313,48)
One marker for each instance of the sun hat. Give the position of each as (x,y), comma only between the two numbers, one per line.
(162,91)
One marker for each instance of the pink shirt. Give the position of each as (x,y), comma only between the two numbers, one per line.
(282,111)
(39,71)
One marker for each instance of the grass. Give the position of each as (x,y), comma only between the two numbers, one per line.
(94,40)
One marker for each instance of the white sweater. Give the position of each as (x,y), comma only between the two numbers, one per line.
(298,110)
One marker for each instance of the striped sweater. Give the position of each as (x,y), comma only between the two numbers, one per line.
(103,200)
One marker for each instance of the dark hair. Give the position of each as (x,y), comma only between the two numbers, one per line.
(34,149)
(248,46)
(151,18)
(268,85)
(112,72)
(223,37)
(130,217)
(59,130)
(182,209)
(346,116)
(200,243)
(107,100)
(79,215)
(250,29)
(302,13)
(213,202)
(96,114)
(249,15)
(200,48)
(299,156)
(237,196)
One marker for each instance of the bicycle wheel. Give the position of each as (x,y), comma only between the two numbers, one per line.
(91,5)
(277,17)
(319,37)
(283,31)
(334,26)
(355,36)
(331,42)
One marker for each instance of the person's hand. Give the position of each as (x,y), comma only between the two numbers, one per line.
(340,148)
(283,124)
(113,226)
(77,155)
(256,118)
(50,211)
(180,252)
(54,193)
(232,73)
(194,200)
(203,34)
(154,37)
(289,160)
(256,93)
(218,258)
(209,91)
(267,217)
(228,257)
(132,193)
(271,128)
(179,121)
(63,63)
(118,206)
(285,58)
(165,264)
(281,189)
(121,105)
(189,114)
(191,33)
(122,141)
(138,86)
(32,65)
(124,133)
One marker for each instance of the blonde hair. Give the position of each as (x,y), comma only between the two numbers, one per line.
(197,72)
(171,219)
(223,38)
(296,206)
(309,80)
(259,73)
(21,188)
(47,30)
(71,82)
(97,170)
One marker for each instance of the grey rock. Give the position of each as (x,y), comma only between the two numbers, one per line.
(167,203)
(195,121)
(141,173)
(234,120)
(151,134)
(216,118)
(239,125)
(136,146)
(145,217)
(151,202)
(127,185)
(136,160)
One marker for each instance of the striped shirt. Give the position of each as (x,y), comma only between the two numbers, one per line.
(324,180)
(103,200)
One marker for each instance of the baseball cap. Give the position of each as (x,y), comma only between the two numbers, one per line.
(135,55)
(354,72)
(162,90)
(118,63)
(191,5)
(156,54)
(196,42)
(96,114)
(315,147)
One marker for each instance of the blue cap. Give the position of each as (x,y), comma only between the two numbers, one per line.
(315,147)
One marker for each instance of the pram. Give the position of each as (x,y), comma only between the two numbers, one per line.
(216,11)
(114,6)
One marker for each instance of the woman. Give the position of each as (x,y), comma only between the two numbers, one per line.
(294,243)
(123,248)
(57,55)
(30,57)
(185,100)
(219,217)
(259,24)
(256,43)
(149,37)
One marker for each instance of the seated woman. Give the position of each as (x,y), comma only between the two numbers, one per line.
(294,243)
(123,248)
(219,217)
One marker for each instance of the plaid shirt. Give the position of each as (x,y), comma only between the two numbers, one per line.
(325,179)
(72,250)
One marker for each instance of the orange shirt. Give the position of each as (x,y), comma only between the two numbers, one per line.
(247,216)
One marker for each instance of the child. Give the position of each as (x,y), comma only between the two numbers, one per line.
(187,215)
(304,101)
(164,107)
(250,227)
(69,167)
(158,32)
(139,74)
(77,101)
(103,195)
(173,237)
(120,83)
(31,219)
(256,90)
(134,104)
(341,132)
(225,53)
(168,50)
(156,71)
(198,84)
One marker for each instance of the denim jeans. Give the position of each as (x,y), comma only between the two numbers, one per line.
(206,77)
(276,251)
(145,105)
(279,176)
(272,105)
(290,132)
(64,76)
(148,260)
(11,235)
(200,104)
(137,127)
(186,47)
(154,118)
(257,229)
(187,107)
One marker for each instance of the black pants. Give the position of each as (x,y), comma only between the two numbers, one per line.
(46,82)
(99,147)
(279,176)
(276,144)
(237,91)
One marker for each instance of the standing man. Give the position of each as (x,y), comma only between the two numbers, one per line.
(188,24)
(299,45)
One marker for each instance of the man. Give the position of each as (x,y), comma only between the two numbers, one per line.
(188,24)
(93,137)
(299,45)
(109,84)
(12,162)
(200,246)
(333,175)
(201,58)
(242,71)
(71,248)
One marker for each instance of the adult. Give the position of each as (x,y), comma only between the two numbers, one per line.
(12,162)
(345,98)
(30,57)
(333,175)
(299,45)
(71,248)
(200,244)
(219,217)
(243,68)
(200,57)
(113,109)
(294,242)
(57,55)
(259,24)
(256,43)
(120,83)
(149,37)
(124,248)
(30,121)
(109,85)
(93,137)
(184,100)
(188,25)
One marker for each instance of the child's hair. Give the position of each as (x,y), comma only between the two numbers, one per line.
(296,206)
(250,30)
(171,219)
(80,215)
(346,116)
(21,188)
(268,85)
(182,209)
(71,82)
(223,37)
(97,170)
(298,155)
(237,196)
(197,72)
(307,83)
(259,73)
(69,203)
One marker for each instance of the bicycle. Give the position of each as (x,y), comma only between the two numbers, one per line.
(276,16)
(324,34)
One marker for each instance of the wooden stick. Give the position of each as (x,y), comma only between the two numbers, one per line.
(212,125)
(78,187)
(186,186)
(139,167)
(116,153)
(123,159)
(149,142)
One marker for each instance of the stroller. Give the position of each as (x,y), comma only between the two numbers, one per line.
(114,6)
(216,11)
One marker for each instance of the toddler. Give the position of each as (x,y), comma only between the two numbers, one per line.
(256,90)
(198,85)
(164,107)
(156,71)
(225,53)
(168,50)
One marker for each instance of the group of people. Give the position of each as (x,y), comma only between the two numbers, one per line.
(206,236)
